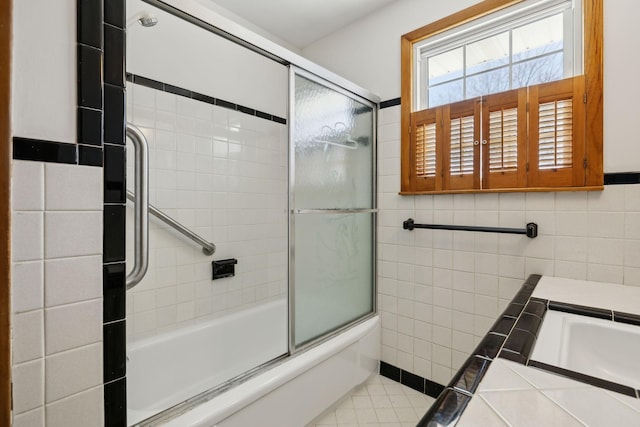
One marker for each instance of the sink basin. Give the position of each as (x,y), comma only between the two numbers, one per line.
(600,348)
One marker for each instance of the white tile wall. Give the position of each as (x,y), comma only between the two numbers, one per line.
(456,283)
(222,174)
(56,293)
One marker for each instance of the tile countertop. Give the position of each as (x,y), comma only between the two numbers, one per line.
(490,390)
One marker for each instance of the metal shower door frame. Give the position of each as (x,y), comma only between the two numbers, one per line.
(293,72)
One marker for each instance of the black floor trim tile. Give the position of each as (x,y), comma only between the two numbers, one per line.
(432,388)
(390,371)
(414,381)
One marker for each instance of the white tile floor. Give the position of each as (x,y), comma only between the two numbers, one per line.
(380,402)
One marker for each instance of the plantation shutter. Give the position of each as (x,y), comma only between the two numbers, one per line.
(426,156)
(556,133)
(461,163)
(504,133)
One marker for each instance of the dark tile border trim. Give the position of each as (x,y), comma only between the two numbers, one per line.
(165,87)
(451,403)
(588,379)
(521,339)
(389,103)
(617,178)
(40,150)
(409,379)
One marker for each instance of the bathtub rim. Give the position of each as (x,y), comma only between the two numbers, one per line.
(239,392)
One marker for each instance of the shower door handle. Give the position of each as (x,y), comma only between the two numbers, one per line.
(141,206)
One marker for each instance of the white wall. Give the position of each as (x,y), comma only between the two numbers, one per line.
(439,291)
(368,53)
(44,70)
(182,54)
(56,282)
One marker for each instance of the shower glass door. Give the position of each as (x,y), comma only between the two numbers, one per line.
(333,208)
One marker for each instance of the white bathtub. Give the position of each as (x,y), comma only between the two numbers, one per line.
(206,355)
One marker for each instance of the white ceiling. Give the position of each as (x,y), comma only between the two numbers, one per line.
(301,22)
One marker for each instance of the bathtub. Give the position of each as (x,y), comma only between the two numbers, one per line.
(204,356)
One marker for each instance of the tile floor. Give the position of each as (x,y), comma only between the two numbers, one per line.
(379,402)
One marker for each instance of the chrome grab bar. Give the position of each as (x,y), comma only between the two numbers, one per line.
(208,248)
(141,208)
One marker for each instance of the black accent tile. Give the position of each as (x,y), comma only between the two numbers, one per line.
(529,322)
(44,151)
(632,319)
(177,90)
(153,84)
(390,371)
(503,325)
(114,54)
(226,104)
(280,120)
(115,343)
(114,115)
(89,156)
(533,279)
(513,310)
(536,307)
(247,110)
(90,22)
(89,127)
(446,410)
(489,346)
(581,310)
(89,77)
(414,381)
(114,234)
(514,357)
(390,103)
(618,178)
(115,402)
(114,174)
(129,77)
(432,388)
(521,342)
(521,297)
(262,115)
(114,12)
(203,98)
(587,379)
(527,288)
(470,374)
(113,290)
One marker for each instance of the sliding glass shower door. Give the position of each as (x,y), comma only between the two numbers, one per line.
(333,208)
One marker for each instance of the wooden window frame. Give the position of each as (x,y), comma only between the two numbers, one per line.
(592,11)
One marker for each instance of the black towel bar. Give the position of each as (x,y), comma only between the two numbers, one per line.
(530,231)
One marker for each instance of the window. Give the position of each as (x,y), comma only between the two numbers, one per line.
(496,98)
